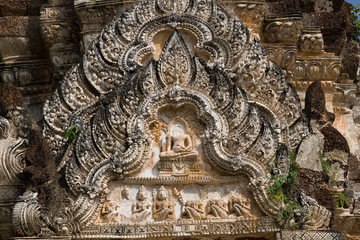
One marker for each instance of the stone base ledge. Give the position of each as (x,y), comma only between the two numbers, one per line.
(309,235)
(42,238)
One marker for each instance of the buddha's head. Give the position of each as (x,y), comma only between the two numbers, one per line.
(177,129)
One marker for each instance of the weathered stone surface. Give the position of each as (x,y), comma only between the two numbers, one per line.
(40,174)
(350,59)
(333,140)
(315,104)
(14,130)
(12,107)
(19,26)
(13,8)
(170,112)
(334,150)
(354,168)
(337,28)
(152,161)
(281,7)
(20,7)
(309,152)
(315,184)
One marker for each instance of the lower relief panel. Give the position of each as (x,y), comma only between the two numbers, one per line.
(209,207)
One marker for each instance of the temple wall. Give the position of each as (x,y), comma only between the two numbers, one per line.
(40,41)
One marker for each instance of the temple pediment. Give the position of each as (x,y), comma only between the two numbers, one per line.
(181,137)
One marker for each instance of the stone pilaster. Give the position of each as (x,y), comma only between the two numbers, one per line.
(60,32)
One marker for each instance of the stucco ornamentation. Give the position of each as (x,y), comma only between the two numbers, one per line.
(177,134)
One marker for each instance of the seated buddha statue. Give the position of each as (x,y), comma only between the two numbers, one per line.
(177,143)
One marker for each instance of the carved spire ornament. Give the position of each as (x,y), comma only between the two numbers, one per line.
(181,119)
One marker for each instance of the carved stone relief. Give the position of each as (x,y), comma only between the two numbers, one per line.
(177,137)
(283,30)
(345,97)
(94,16)
(311,40)
(32,78)
(252,14)
(323,6)
(61,35)
(12,151)
(12,162)
(319,217)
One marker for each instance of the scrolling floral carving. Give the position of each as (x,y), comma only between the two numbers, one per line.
(209,110)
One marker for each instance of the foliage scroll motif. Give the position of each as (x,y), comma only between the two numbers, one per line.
(202,107)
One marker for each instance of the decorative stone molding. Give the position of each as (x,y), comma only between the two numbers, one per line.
(323,6)
(311,41)
(283,30)
(25,73)
(309,235)
(12,149)
(32,78)
(12,160)
(252,14)
(345,94)
(283,55)
(61,35)
(349,223)
(178,134)
(319,217)
(12,153)
(94,15)
(27,207)
(303,85)
(322,68)
(307,69)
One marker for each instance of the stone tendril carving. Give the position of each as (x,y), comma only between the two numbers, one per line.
(4,128)
(12,151)
(206,111)
(26,215)
(318,216)
(13,160)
